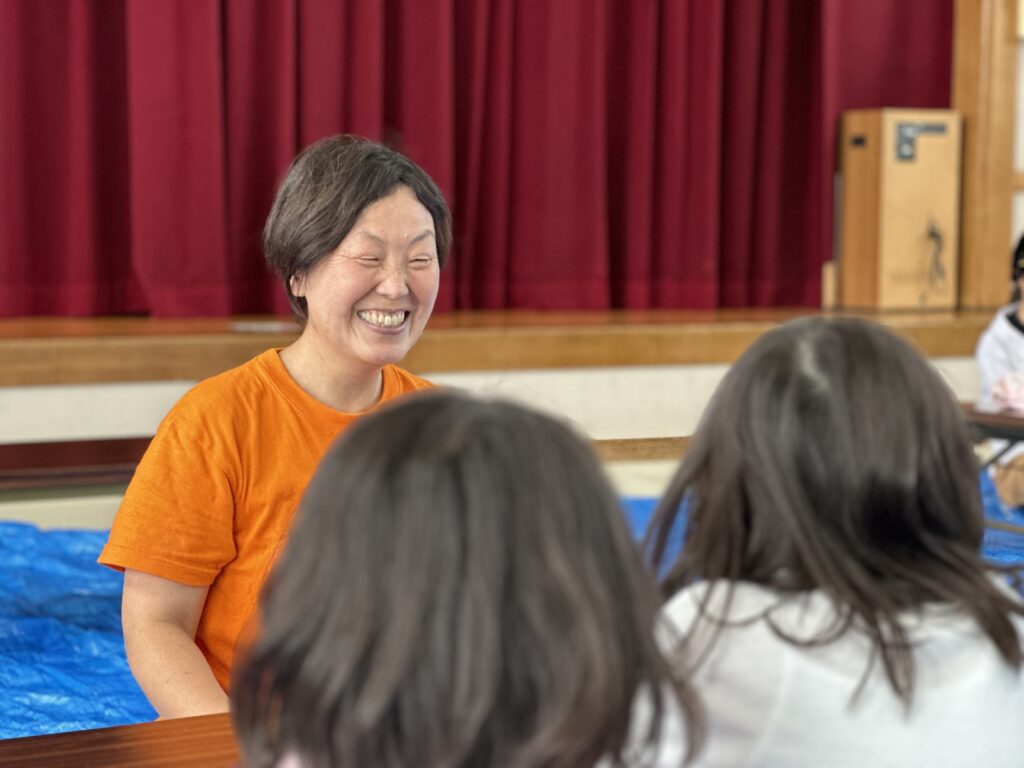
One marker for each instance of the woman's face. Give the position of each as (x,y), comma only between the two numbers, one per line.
(369,300)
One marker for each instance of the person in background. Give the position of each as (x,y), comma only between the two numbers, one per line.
(1000,359)
(460,589)
(830,596)
(358,234)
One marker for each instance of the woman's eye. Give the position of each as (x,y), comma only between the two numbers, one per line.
(422,261)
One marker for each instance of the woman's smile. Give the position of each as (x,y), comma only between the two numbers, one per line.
(383,320)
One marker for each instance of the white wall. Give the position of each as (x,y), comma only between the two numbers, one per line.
(85,411)
(641,401)
(604,403)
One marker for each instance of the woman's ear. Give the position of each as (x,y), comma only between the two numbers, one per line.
(297,284)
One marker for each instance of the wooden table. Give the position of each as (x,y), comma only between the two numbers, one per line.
(997,425)
(193,742)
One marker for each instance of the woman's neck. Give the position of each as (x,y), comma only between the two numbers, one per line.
(333,382)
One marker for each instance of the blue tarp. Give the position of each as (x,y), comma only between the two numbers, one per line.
(999,546)
(62,660)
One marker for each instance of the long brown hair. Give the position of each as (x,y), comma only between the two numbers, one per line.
(833,457)
(460,589)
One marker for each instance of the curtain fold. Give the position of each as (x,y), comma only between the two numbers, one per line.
(64,224)
(688,140)
(597,154)
(261,128)
(178,184)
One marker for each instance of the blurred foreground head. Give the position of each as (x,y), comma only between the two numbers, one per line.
(460,589)
(833,457)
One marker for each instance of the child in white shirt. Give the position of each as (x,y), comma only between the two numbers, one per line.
(829,599)
(1000,359)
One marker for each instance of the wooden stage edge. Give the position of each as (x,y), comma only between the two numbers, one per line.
(42,351)
(191,742)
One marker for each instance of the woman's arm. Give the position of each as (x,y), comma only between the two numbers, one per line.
(160,618)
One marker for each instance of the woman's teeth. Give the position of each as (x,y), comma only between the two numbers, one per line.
(383,319)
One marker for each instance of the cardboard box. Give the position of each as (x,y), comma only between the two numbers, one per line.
(898,228)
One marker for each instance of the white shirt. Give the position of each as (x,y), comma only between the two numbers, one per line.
(1000,352)
(772,703)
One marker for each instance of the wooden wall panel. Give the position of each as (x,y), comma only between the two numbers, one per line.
(984,80)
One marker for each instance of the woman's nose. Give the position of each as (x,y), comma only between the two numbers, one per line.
(392,282)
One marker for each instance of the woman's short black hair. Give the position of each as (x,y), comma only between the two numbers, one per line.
(326,190)
(460,589)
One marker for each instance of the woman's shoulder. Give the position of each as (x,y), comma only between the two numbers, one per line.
(398,381)
(224,395)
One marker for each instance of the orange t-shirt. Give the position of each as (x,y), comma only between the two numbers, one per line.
(213,497)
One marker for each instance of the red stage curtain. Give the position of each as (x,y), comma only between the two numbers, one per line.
(65,233)
(596,153)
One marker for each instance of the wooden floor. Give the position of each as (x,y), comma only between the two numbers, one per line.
(64,351)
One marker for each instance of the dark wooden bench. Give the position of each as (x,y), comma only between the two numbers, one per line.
(85,463)
(112,461)
(71,463)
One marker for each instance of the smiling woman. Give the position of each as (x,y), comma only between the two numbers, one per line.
(358,234)
(367,302)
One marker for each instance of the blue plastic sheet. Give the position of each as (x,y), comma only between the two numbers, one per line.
(1001,547)
(998,546)
(62,660)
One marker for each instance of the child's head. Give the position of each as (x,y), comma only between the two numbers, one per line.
(460,588)
(1017,269)
(834,457)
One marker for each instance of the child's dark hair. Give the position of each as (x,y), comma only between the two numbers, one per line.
(1017,269)
(833,457)
(460,589)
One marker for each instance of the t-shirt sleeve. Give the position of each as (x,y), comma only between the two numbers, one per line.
(177,517)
